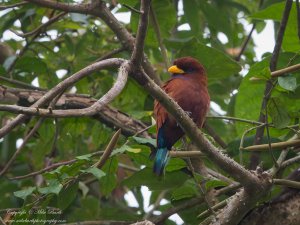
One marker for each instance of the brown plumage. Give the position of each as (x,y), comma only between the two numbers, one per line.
(188,87)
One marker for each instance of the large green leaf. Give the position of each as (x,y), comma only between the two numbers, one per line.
(53,187)
(217,64)
(278,113)
(67,196)
(290,41)
(25,192)
(249,96)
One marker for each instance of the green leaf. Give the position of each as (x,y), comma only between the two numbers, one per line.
(95,171)
(274,12)
(140,140)
(86,157)
(288,82)
(67,196)
(24,193)
(175,164)
(187,190)
(53,187)
(215,183)
(278,113)
(192,15)
(217,64)
(249,96)
(31,64)
(109,181)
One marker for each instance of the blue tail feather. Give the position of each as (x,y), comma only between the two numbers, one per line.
(161,160)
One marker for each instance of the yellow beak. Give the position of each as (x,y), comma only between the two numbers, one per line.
(175,69)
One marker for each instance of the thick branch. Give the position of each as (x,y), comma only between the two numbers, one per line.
(60,88)
(108,115)
(90,111)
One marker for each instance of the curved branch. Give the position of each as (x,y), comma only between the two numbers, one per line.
(60,88)
(108,115)
(90,111)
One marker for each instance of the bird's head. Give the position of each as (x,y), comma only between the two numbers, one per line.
(186,65)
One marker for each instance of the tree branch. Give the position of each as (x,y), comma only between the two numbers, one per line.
(278,145)
(41,27)
(2,7)
(90,111)
(108,115)
(224,162)
(60,88)
(138,50)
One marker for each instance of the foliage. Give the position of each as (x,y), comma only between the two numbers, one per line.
(83,192)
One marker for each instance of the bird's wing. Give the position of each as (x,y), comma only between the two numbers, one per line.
(171,87)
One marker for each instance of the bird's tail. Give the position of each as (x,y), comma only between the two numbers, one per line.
(161,159)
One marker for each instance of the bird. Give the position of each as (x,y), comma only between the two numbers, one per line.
(188,87)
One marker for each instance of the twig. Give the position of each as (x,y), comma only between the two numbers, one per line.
(214,135)
(41,27)
(25,140)
(269,140)
(89,111)
(108,150)
(286,70)
(156,204)
(278,145)
(280,160)
(20,83)
(245,43)
(201,187)
(215,208)
(53,166)
(290,161)
(2,7)
(185,205)
(159,38)
(110,54)
(186,154)
(60,87)
(234,119)
(288,183)
(131,8)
